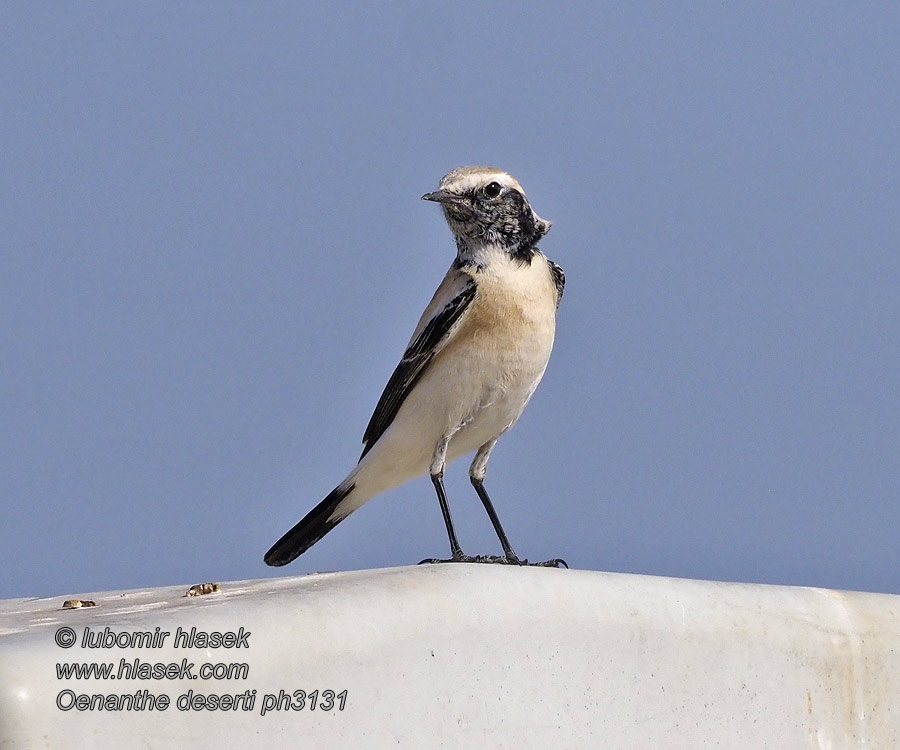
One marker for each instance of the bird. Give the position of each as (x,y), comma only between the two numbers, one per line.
(472,364)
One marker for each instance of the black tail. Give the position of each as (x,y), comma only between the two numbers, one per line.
(308,531)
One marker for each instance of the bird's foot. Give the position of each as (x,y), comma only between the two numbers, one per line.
(496,560)
(462,558)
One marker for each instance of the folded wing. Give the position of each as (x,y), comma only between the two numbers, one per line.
(437,326)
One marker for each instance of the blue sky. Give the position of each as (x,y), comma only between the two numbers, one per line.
(213,254)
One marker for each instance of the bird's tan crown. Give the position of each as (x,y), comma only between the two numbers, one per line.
(462,179)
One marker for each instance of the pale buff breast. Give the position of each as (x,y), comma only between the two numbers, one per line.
(498,356)
(514,313)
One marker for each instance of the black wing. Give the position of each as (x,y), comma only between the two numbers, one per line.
(559,280)
(414,363)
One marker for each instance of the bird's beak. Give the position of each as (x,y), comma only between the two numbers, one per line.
(441,196)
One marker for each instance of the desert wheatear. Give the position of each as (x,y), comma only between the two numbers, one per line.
(476,356)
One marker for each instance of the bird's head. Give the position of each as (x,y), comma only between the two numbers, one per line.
(485,206)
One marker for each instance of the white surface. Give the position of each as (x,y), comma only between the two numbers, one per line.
(472,656)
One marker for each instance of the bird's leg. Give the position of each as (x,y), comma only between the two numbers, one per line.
(495,521)
(438,462)
(438,481)
(476,474)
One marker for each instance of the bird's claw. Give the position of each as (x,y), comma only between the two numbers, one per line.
(496,560)
(461,558)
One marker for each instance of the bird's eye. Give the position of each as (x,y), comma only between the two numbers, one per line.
(492,189)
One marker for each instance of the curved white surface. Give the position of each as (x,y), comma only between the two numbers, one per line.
(471,656)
